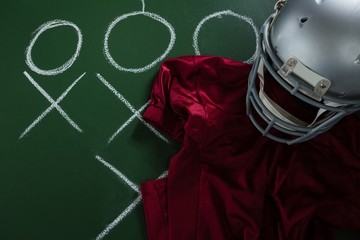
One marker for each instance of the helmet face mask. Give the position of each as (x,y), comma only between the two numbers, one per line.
(304,47)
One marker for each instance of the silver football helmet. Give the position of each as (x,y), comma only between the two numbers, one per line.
(310,48)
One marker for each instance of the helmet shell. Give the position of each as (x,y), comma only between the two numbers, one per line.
(325,36)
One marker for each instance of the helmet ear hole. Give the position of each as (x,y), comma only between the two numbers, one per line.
(303,20)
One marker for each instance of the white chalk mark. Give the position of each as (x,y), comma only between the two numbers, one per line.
(143,5)
(129,106)
(219,15)
(132,185)
(128,121)
(163,175)
(129,208)
(126,212)
(131,14)
(117,94)
(38,32)
(54,104)
(121,217)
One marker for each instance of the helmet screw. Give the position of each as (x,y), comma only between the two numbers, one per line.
(291,62)
(323,84)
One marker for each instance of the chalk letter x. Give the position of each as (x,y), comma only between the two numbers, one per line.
(129,208)
(54,104)
(136,113)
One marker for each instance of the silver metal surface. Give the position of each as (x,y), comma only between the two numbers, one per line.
(325,36)
(312,49)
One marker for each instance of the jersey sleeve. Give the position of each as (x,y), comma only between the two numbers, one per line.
(172,96)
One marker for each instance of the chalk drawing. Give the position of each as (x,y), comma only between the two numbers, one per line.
(136,113)
(132,109)
(46,26)
(132,185)
(132,14)
(129,208)
(54,104)
(219,15)
(143,5)
(121,217)
(128,121)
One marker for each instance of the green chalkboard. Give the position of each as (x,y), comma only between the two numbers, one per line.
(75,77)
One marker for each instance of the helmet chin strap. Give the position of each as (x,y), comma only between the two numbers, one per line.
(280,112)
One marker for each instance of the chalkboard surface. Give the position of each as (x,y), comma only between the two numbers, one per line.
(75,77)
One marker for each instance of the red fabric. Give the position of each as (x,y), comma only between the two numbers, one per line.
(227,181)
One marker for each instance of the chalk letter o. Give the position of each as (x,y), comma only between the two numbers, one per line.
(218,15)
(38,32)
(152,64)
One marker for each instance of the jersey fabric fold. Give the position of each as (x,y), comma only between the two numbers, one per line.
(229,182)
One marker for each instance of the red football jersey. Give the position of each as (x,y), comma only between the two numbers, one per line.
(229,182)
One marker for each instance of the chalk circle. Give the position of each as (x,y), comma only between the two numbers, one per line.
(46,26)
(153,63)
(219,15)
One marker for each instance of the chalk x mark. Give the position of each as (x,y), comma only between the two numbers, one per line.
(219,15)
(131,206)
(125,124)
(121,217)
(132,185)
(54,104)
(136,113)
(153,63)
